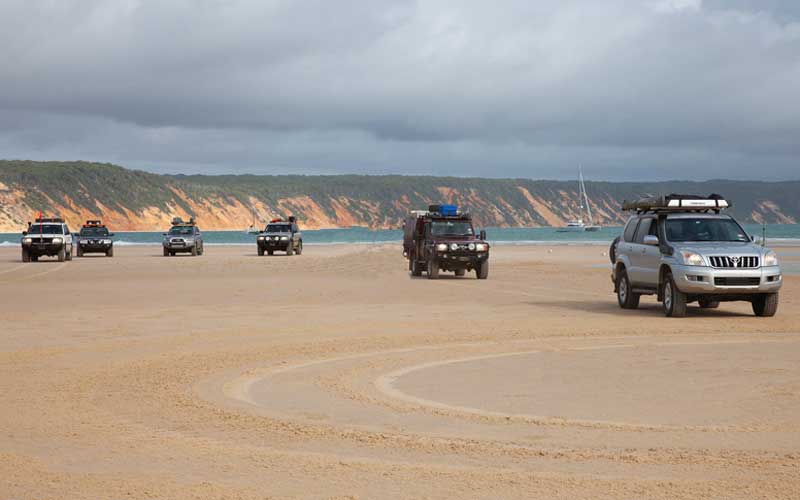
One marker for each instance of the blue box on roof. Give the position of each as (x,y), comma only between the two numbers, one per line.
(448,210)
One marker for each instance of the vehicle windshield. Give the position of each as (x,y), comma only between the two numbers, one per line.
(45,229)
(94,231)
(181,230)
(705,229)
(278,228)
(451,228)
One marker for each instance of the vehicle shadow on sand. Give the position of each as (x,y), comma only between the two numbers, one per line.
(644,310)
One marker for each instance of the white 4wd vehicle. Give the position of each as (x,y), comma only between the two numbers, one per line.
(47,236)
(683,249)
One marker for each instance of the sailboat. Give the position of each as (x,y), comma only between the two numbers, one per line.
(577,225)
(253,229)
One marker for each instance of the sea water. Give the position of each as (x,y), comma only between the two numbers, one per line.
(776,234)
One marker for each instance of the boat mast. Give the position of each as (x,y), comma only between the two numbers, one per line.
(585,196)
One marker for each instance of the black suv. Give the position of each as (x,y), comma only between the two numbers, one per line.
(442,238)
(94,238)
(281,235)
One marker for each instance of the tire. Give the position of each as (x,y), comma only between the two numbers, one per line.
(171,253)
(612,251)
(34,258)
(708,303)
(26,256)
(166,252)
(290,249)
(62,254)
(482,270)
(110,252)
(260,252)
(194,250)
(79,251)
(201,250)
(461,272)
(765,305)
(626,297)
(68,254)
(433,269)
(300,248)
(270,252)
(674,300)
(416,269)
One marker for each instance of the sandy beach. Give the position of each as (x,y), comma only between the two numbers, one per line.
(336,375)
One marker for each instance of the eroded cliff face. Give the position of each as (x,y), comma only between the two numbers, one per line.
(515,205)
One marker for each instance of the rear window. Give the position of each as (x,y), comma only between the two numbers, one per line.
(630,229)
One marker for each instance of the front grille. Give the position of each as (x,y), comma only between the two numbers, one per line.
(42,240)
(737,281)
(176,241)
(734,261)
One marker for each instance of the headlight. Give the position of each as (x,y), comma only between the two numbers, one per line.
(692,259)
(57,241)
(106,242)
(770,258)
(454,247)
(481,247)
(27,241)
(260,238)
(441,247)
(471,246)
(284,238)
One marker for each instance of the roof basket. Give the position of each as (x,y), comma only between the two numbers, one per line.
(177,221)
(55,220)
(678,203)
(93,223)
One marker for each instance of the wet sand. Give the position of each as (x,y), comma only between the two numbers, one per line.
(336,375)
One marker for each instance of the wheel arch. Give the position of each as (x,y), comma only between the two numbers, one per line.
(663,272)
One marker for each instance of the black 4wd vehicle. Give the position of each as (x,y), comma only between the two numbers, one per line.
(94,238)
(281,235)
(442,238)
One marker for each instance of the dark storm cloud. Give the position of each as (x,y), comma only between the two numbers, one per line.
(515,88)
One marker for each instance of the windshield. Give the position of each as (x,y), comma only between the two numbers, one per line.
(181,230)
(45,228)
(94,231)
(705,229)
(278,228)
(451,228)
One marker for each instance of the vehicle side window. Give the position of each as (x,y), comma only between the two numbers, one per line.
(653,228)
(630,229)
(644,228)
(66,229)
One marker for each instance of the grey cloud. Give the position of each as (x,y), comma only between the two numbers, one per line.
(516,88)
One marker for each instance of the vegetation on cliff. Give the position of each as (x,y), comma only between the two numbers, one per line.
(136,200)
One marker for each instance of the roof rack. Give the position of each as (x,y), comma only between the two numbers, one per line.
(440,211)
(94,223)
(177,221)
(678,203)
(291,219)
(56,220)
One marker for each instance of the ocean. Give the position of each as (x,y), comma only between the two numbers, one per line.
(776,234)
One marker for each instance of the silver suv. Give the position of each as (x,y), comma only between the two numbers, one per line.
(183,237)
(683,249)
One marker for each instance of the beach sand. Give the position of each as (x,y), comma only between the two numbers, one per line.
(336,375)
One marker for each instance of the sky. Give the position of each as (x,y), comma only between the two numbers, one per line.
(628,90)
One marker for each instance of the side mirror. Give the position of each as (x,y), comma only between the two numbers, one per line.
(651,240)
(482,235)
(24,233)
(110,235)
(163,234)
